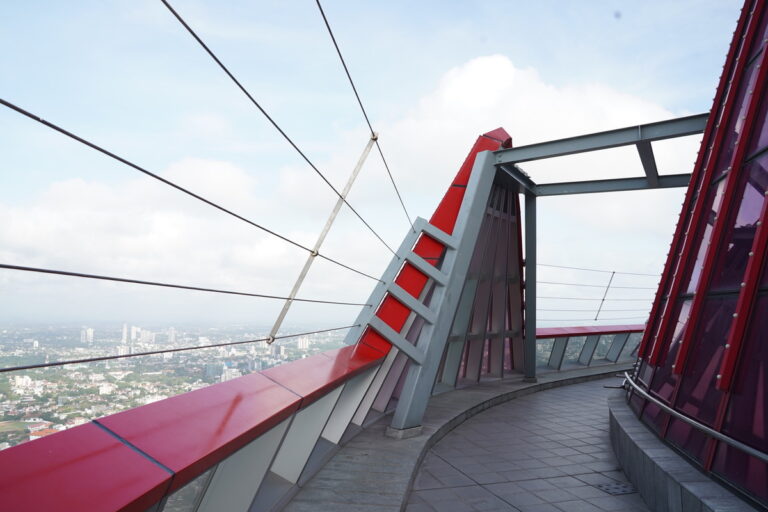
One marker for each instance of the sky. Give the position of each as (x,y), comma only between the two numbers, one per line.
(432,76)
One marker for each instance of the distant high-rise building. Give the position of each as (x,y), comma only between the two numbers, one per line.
(230,373)
(124,338)
(172,336)
(86,335)
(146,336)
(304,343)
(135,331)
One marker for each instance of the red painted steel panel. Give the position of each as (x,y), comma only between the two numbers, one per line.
(353,359)
(191,432)
(313,377)
(83,468)
(559,332)
(409,278)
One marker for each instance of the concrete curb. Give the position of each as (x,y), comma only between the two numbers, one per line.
(665,479)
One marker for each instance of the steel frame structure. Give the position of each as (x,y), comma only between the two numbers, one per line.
(441,298)
(640,136)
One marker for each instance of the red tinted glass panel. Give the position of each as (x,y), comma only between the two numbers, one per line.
(732,261)
(697,396)
(743,470)
(747,415)
(760,135)
(690,440)
(736,124)
(714,201)
(664,380)
(645,373)
(654,417)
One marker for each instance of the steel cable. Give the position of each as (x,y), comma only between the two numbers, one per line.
(365,114)
(166,351)
(122,160)
(167,285)
(272,121)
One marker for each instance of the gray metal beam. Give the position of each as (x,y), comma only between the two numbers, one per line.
(645,151)
(529,344)
(679,127)
(615,185)
(520,176)
(420,379)
(395,338)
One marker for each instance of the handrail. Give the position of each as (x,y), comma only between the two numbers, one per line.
(700,426)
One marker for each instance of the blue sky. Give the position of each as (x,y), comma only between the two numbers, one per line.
(127,76)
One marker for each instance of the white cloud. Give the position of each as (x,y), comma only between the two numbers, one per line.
(141,229)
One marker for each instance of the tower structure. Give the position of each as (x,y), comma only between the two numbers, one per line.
(704,354)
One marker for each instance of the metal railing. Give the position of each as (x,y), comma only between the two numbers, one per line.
(690,421)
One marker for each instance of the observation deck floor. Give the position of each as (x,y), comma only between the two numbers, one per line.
(546,450)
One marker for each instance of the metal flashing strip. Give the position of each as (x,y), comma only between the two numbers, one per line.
(426,268)
(412,303)
(699,426)
(395,338)
(435,233)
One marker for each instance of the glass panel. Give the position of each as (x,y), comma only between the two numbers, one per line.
(691,440)
(603,344)
(747,416)
(747,472)
(697,396)
(645,373)
(715,201)
(654,417)
(736,124)
(573,349)
(543,350)
(732,262)
(188,497)
(630,348)
(664,381)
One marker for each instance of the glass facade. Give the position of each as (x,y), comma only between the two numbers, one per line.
(705,352)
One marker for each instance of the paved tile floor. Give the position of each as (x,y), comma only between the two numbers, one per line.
(545,452)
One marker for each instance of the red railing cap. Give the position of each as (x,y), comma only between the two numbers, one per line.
(559,332)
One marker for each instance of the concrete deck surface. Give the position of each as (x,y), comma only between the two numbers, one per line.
(544,452)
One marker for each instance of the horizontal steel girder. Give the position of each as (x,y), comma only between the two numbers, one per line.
(679,127)
(615,185)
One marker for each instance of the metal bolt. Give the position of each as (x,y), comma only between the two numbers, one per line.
(735,315)
(719,377)
(673,367)
(743,285)
(727,345)
(750,254)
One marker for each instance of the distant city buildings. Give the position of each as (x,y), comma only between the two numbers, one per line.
(86,336)
(52,399)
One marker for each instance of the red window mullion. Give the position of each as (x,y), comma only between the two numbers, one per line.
(730,188)
(707,151)
(745,303)
(681,222)
(744,306)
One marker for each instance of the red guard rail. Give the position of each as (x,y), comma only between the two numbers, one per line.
(132,460)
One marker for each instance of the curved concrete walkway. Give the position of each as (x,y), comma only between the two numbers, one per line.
(544,452)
